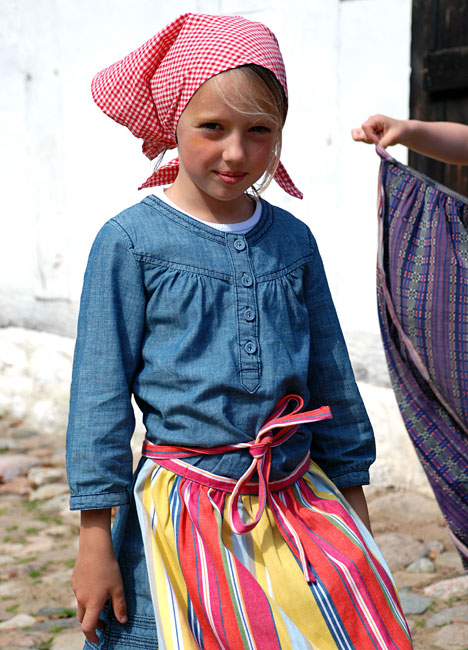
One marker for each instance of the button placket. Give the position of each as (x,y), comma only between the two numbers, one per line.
(249,314)
(250,347)
(249,352)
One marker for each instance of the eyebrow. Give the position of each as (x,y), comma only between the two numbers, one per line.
(202,116)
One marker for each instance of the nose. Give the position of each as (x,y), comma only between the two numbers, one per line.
(234,148)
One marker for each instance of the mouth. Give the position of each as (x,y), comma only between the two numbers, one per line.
(231,178)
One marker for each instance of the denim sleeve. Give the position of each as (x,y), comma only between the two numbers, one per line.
(344,446)
(107,354)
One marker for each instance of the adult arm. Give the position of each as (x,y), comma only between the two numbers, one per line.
(445,141)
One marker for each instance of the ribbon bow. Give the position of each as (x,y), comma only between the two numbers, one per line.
(260,450)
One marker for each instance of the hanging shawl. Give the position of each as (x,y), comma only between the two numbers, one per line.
(422,290)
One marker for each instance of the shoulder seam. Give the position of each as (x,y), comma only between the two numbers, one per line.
(312,243)
(124,234)
(115,224)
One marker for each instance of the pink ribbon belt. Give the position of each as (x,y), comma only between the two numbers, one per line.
(260,450)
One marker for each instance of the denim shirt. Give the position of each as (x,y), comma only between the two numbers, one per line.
(208,330)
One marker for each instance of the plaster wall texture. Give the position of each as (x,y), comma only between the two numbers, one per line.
(68,168)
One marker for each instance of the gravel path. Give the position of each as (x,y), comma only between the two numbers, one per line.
(38,544)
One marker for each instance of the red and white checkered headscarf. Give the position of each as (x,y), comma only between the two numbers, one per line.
(148,89)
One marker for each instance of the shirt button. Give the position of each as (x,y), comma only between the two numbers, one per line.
(250,347)
(239,244)
(249,315)
(247,280)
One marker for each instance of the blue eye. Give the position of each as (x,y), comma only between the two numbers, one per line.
(260,129)
(210,126)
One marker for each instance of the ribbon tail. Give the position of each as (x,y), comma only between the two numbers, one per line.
(284,180)
(292,539)
(236,523)
(165,175)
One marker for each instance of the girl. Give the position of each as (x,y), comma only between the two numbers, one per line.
(445,141)
(211,307)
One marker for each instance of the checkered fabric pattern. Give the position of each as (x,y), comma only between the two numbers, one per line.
(148,89)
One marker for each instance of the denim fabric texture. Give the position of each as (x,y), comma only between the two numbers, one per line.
(208,330)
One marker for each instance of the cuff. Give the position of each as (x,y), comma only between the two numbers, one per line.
(348,479)
(98,501)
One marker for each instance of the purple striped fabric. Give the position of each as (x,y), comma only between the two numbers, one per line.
(422,291)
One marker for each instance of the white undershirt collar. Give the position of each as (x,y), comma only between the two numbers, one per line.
(242,227)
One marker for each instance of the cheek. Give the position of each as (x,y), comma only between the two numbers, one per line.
(263,153)
(198,149)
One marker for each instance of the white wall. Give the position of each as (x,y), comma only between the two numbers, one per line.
(68,168)
(373,77)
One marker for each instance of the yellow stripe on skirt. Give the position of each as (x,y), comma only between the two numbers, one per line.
(215,589)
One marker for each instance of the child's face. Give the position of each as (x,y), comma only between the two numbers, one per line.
(222,149)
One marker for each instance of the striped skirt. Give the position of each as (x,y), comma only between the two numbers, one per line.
(215,589)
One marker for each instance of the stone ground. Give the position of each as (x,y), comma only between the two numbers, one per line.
(38,545)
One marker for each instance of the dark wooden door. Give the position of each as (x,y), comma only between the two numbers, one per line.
(439,77)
